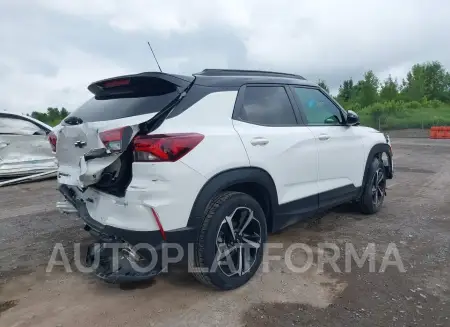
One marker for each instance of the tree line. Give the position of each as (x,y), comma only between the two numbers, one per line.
(421,99)
(52,116)
(429,80)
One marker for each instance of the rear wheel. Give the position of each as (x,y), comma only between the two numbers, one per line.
(375,188)
(231,243)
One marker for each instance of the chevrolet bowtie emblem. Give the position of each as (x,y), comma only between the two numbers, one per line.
(80,144)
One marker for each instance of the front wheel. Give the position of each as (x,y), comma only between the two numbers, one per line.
(374,189)
(231,243)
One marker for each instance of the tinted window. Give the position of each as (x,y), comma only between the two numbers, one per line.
(319,110)
(267,105)
(98,110)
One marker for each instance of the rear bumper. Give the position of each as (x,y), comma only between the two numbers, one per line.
(152,252)
(181,237)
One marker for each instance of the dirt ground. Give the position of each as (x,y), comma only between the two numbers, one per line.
(415,217)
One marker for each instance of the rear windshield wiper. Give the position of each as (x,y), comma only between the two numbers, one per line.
(156,121)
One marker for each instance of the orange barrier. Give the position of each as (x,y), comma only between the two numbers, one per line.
(440,132)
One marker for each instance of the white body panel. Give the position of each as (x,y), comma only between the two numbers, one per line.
(288,154)
(341,154)
(169,188)
(221,148)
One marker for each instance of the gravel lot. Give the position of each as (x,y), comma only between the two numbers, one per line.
(415,217)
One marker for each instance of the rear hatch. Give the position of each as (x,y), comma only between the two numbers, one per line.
(92,143)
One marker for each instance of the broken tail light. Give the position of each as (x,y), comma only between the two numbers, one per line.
(52,139)
(164,147)
(113,139)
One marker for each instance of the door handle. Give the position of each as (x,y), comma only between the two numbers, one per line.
(259,141)
(324,137)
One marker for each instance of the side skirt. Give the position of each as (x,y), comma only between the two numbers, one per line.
(290,213)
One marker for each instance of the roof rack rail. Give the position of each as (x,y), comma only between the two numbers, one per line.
(242,72)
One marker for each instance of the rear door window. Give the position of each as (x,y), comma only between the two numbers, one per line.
(268,106)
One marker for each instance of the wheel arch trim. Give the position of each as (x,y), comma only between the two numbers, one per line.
(226,179)
(376,149)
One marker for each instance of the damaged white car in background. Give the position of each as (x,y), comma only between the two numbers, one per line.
(25,153)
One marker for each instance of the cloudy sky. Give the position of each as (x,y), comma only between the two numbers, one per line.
(52,49)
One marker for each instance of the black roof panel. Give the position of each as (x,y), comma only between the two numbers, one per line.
(236,78)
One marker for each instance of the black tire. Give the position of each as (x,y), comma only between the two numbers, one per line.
(205,250)
(368,204)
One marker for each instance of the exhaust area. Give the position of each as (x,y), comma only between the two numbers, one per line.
(120,263)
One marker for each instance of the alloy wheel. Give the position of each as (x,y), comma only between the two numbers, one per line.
(238,242)
(378,187)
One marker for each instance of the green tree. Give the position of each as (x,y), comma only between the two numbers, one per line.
(52,117)
(367,89)
(425,80)
(323,85)
(64,113)
(389,90)
(436,81)
(346,91)
(414,84)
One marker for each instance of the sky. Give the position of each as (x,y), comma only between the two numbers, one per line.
(52,49)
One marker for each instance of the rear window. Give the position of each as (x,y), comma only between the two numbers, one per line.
(116,108)
(268,106)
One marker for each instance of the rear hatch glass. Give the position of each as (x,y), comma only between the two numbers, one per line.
(150,98)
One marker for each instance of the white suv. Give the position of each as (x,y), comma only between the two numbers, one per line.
(213,163)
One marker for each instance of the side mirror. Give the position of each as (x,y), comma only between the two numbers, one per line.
(352,118)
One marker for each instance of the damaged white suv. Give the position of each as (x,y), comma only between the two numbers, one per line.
(211,163)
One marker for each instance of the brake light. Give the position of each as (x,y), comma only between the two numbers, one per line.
(164,147)
(116,82)
(52,139)
(112,139)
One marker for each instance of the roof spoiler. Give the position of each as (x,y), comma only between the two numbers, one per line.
(144,84)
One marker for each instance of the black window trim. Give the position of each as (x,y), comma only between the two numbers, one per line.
(239,104)
(302,112)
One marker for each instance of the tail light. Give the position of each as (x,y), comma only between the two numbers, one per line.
(112,139)
(168,147)
(52,139)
